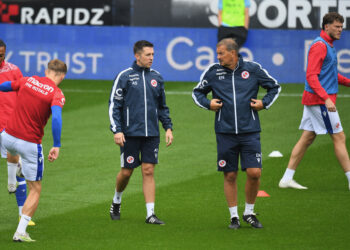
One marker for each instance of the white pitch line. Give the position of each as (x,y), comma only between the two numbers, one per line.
(185,93)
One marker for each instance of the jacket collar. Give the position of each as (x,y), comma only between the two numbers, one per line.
(138,68)
(239,63)
(326,37)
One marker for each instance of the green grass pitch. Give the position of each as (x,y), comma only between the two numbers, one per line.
(78,188)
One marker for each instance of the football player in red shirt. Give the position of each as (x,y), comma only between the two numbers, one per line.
(10,72)
(38,98)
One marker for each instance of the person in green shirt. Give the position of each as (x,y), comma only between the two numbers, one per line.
(234,20)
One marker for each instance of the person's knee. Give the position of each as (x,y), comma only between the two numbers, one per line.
(308,140)
(126,173)
(148,171)
(339,138)
(34,186)
(230,177)
(12,158)
(254,173)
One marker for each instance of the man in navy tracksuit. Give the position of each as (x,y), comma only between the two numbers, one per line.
(234,84)
(136,105)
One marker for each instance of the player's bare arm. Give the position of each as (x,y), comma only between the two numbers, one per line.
(119,139)
(256,104)
(215,104)
(169,137)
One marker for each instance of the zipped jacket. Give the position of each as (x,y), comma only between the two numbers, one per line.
(236,88)
(137,103)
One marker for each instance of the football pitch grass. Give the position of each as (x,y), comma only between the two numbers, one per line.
(73,212)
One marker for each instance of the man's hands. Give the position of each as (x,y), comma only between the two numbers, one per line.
(53,154)
(169,137)
(119,139)
(330,105)
(215,104)
(256,104)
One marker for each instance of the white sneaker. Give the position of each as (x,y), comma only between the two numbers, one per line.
(290,184)
(22,237)
(12,188)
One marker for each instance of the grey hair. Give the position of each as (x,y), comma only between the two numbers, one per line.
(229,43)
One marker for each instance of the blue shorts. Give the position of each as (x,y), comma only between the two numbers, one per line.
(134,146)
(231,148)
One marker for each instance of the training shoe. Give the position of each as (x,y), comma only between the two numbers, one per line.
(114,212)
(153,219)
(19,169)
(12,188)
(290,184)
(235,224)
(252,220)
(30,223)
(17,237)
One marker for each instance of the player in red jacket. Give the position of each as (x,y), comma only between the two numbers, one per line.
(319,98)
(38,98)
(10,72)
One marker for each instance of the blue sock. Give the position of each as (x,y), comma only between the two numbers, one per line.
(21,192)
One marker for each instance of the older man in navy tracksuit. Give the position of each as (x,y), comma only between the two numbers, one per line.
(136,105)
(234,84)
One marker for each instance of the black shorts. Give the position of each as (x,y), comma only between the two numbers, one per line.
(238,33)
(231,148)
(134,147)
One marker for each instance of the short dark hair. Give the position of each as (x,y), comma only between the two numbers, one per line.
(2,43)
(330,17)
(58,66)
(230,44)
(139,45)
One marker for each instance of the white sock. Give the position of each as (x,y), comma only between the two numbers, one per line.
(150,209)
(233,211)
(117,197)
(348,175)
(288,175)
(23,223)
(249,209)
(20,210)
(11,170)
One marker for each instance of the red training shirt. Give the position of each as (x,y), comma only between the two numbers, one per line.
(8,72)
(36,96)
(317,54)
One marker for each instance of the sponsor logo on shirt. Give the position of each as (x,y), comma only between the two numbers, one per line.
(39,87)
(118,94)
(203,83)
(8,67)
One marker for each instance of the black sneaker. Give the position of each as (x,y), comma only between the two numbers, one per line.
(153,219)
(235,224)
(252,220)
(114,212)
